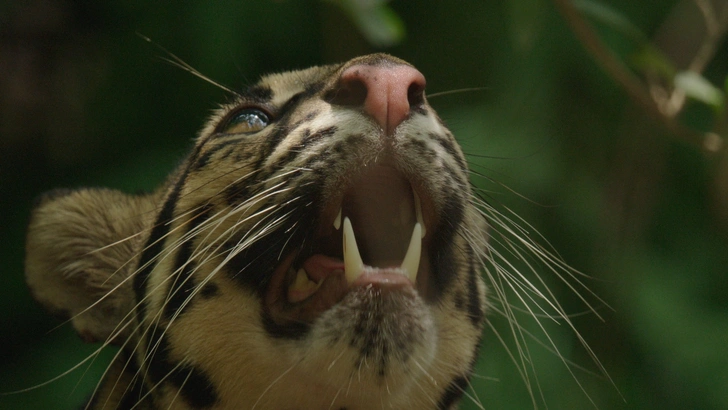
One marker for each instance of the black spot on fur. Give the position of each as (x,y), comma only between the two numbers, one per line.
(339,147)
(209,290)
(313,89)
(182,284)
(452,394)
(194,385)
(354,139)
(422,150)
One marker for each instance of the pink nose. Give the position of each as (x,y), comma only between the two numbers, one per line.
(386,91)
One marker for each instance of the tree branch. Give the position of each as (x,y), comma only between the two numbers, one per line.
(632,85)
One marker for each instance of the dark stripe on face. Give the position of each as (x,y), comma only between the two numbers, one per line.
(204,159)
(133,395)
(281,129)
(138,391)
(308,139)
(282,126)
(258,93)
(452,394)
(253,266)
(238,192)
(318,135)
(475,305)
(154,245)
(288,330)
(183,285)
(442,249)
(449,146)
(195,386)
(457,387)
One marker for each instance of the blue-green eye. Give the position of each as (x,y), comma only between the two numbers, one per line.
(246,121)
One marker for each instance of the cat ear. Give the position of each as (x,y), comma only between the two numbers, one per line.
(81,253)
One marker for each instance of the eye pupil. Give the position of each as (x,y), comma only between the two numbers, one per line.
(247,121)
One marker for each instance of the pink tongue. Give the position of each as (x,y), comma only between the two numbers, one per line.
(319,267)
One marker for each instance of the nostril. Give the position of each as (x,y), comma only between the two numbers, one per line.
(416,93)
(385,91)
(350,91)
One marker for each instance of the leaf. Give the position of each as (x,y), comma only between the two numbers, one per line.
(610,18)
(648,57)
(698,88)
(381,26)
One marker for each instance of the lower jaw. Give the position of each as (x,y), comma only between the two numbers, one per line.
(334,290)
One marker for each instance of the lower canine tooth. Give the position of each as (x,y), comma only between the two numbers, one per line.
(337,221)
(302,287)
(353,264)
(411,262)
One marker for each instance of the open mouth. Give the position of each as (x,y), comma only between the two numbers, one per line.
(373,234)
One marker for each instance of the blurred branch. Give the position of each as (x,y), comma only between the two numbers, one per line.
(716,23)
(635,88)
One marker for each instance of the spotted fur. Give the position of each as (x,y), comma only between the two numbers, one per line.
(187,280)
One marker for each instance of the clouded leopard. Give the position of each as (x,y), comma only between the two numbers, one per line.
(319,248)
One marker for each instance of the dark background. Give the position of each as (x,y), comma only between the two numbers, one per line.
(85,101)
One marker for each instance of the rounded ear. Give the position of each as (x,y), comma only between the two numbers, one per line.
(81,253)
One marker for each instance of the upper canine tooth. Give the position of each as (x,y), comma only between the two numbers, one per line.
(411,262)
(418,212)
(353,265)
(337,221)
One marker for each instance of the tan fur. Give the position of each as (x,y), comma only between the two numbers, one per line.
(74,261)
(84,248)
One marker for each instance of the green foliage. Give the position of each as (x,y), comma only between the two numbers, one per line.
(381,26)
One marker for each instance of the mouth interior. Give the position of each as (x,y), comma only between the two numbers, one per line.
(375,238)
(382,213)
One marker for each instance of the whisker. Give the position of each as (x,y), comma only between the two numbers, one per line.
(178,62)
(457,91)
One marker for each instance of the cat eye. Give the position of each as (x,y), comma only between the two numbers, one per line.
(246,121)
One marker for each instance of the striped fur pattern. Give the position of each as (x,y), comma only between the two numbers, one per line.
(194,281)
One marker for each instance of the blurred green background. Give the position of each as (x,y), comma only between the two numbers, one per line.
(84,101)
